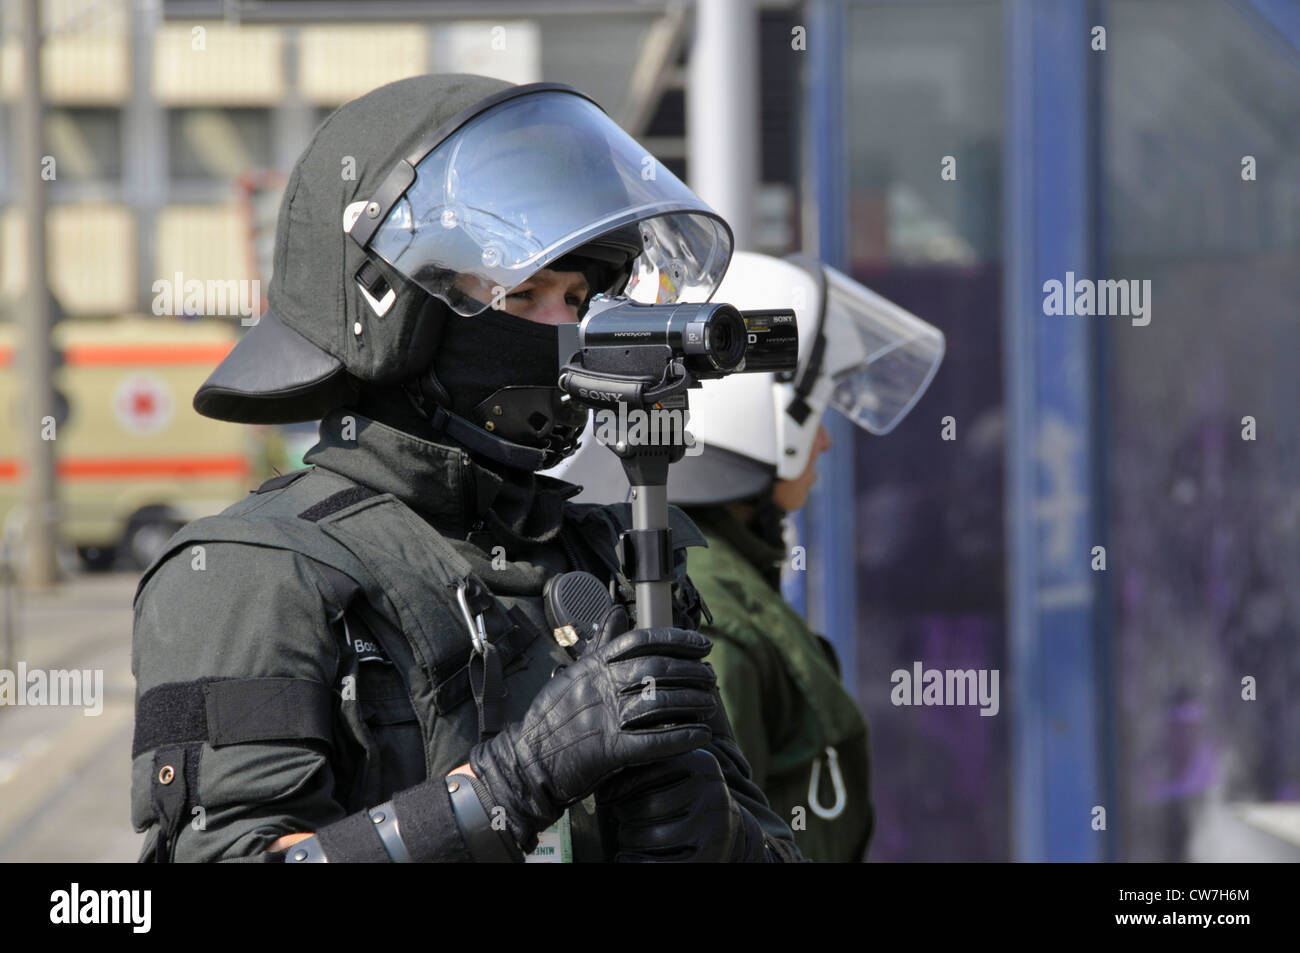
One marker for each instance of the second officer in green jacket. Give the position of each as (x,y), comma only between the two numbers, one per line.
(758,439)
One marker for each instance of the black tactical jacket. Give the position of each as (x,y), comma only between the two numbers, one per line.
(300,658)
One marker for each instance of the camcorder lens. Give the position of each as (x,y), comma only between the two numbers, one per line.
(725,333)
(629,344)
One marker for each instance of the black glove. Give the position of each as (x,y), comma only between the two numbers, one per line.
(593,719)
(679,810)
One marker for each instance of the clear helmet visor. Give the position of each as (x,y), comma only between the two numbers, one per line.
(879,358)
(533,178)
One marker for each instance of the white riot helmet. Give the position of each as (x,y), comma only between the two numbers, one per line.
(858,352)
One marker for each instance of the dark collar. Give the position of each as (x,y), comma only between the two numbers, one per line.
(444,483)
(764,550)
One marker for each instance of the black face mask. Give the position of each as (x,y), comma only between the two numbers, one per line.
(478,356)
(499,372)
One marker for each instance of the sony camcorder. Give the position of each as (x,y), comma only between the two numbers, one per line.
(645,357)
(639,355)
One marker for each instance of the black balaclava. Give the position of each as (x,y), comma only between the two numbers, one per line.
(768,524)
(487,361)
(478,356)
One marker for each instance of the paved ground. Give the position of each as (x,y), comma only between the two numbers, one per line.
(65,776)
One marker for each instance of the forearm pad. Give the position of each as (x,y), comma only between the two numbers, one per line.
(427,823)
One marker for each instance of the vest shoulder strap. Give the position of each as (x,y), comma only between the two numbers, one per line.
(373,545)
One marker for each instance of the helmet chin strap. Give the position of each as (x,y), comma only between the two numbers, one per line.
(427,396)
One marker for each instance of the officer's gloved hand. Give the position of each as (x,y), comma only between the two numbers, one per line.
(679,810)
(639,697)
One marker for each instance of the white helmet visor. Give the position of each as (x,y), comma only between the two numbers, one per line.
(878,357)
(533,178)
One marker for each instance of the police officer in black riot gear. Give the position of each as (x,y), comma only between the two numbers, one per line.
(363,666)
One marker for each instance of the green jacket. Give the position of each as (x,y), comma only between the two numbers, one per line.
(781,683)
(279,692)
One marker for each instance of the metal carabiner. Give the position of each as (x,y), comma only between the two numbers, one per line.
(477,630)
(837,782)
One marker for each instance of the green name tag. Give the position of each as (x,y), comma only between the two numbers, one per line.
(554,845)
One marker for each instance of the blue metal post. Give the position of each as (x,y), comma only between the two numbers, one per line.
(829,521)
(1278,20)
(1050,375)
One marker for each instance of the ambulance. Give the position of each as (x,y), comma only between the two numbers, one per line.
(135,462)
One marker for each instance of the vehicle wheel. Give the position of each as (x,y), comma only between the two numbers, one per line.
(146,537)
(97,558)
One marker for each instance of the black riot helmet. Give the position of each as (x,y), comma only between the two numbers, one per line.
(417,206)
